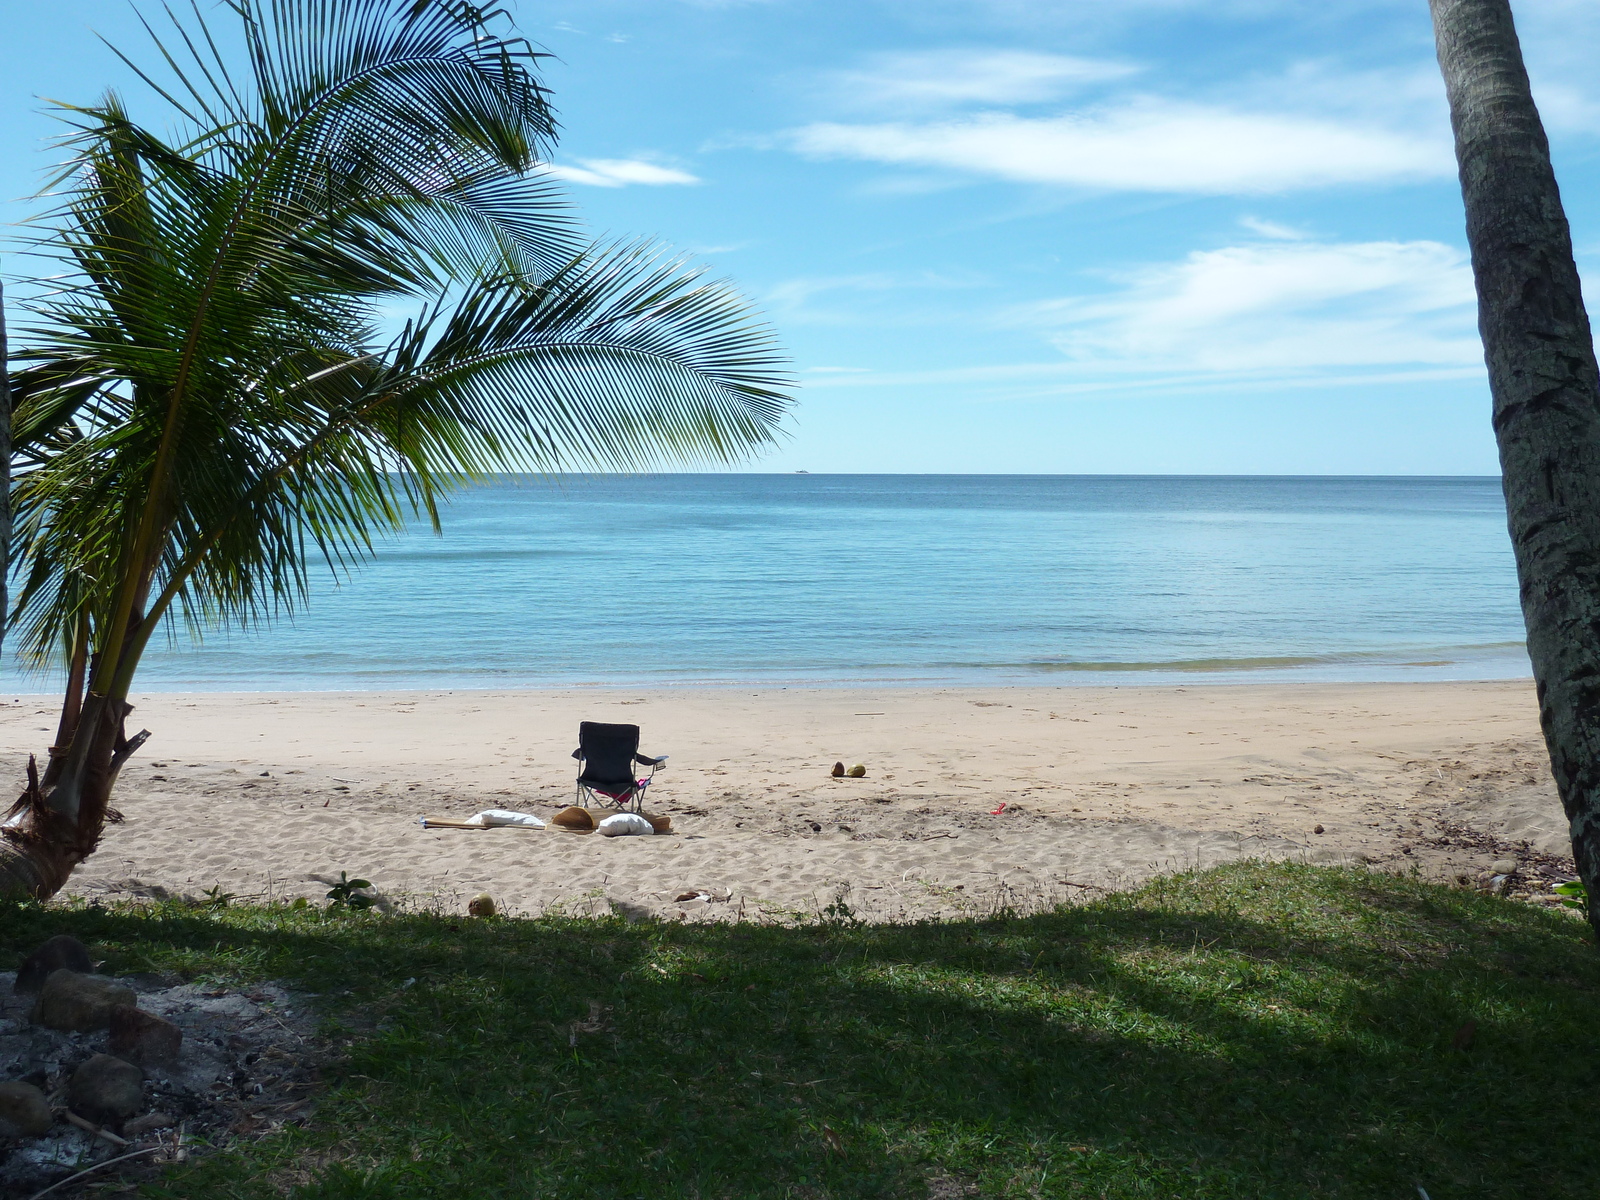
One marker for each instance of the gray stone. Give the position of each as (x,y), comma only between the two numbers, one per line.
(1503,866)
(79,1003)
(106,1090)
(143,1037)
(24,1111)
(59,952)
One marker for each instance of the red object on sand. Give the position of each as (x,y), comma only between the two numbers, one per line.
(995,812)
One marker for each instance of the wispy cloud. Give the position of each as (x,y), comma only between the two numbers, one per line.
(1273,230)
(620,172)
(919,80)
(1280,307)
(1147,145)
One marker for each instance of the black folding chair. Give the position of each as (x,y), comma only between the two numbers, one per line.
(608,754)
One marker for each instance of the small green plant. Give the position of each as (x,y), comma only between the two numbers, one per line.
(215,897)
(839,911)
(1573,894)
(347,893)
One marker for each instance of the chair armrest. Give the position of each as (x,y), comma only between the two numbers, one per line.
(646,761)
(577,753)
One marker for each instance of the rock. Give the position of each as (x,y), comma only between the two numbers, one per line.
(106,1090)
(1503,866)
(838,770)
(573,817)
(1319,829)
(80,1003)
(148,1123)
(857,772)
(24,1111)
(143,1037)
(59,952)
(481,905)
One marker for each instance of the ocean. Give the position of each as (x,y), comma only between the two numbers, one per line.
(901,579)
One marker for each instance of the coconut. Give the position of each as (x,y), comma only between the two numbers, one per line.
(481,905)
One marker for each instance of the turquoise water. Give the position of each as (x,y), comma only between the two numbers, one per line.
(795,579)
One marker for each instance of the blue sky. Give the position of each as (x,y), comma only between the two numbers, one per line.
(1190,236)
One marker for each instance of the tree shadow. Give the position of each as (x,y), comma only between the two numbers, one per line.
(1293,1037)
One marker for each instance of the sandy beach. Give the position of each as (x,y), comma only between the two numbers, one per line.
(273,794)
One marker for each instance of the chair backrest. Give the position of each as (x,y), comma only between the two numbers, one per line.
(608,750)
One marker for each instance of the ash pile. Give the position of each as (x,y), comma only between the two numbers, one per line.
(144,1069)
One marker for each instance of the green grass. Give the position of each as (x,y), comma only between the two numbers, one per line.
(1253,1031)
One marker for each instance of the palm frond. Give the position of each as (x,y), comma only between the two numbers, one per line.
(207,409)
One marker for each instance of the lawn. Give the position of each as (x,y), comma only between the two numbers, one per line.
(1253,1031)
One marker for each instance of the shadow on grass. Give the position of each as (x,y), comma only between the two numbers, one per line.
(1252,1031)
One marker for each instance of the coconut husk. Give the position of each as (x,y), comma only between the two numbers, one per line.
(662,824)
(574,818)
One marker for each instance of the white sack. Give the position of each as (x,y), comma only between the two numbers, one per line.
(491,817)
(623,824)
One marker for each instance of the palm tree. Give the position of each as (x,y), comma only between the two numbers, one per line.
(1546,391)
(215,397)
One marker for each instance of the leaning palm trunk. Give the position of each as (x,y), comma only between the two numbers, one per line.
(1545,387)
(204,407)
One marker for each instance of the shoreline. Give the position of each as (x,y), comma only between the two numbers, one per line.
(1072,679)
(271,793)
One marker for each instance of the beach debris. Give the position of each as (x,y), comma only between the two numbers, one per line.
(61,951)
(995,812)
(573,817)
(143,1037)
(481,905)
(838,770)
(24,1111)
(149,1123)
(625,825)
(1319,829)
(79,1003)
(858,771)
(106,1089)
(599,1022)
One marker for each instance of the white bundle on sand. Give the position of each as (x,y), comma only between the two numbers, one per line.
(625,824)
(492,817)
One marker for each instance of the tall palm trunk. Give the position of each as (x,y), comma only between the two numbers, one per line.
(1545,387)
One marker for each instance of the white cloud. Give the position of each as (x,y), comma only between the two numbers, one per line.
(942,78)
(1149,145)
(1273,230)
(1278,307)
(619,172)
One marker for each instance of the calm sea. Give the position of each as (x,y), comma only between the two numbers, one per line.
(832,579)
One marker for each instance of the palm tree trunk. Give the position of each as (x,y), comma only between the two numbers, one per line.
(1545,388)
